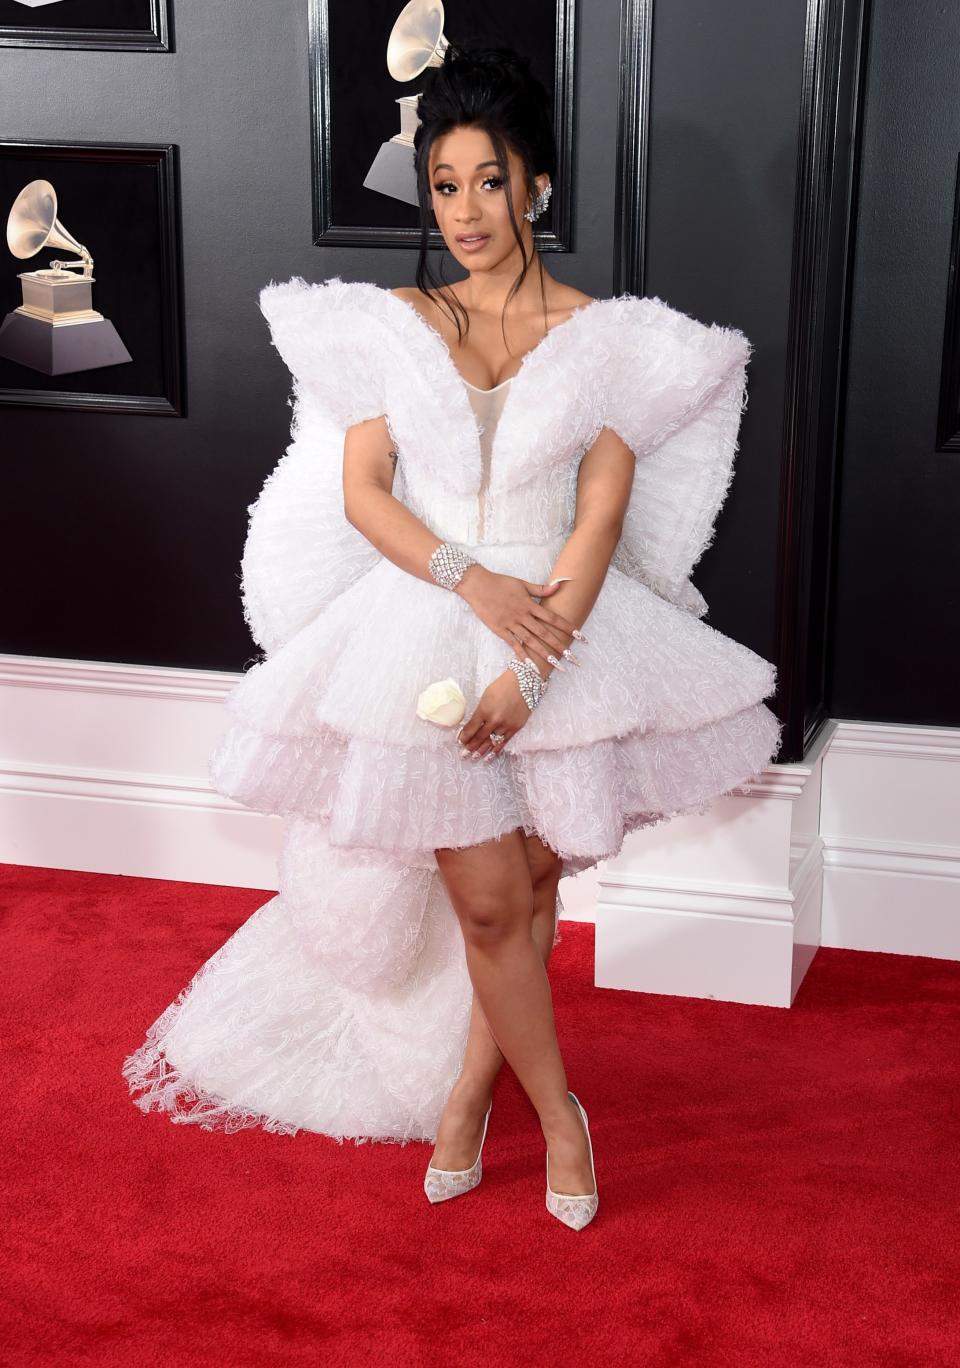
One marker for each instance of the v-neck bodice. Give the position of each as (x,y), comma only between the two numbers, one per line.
(493,389)
(487,405)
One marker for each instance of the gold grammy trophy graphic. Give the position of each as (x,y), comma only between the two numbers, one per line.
(416,41)
(56,329)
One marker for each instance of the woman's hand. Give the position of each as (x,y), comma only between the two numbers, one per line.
(505,604)
(502,710)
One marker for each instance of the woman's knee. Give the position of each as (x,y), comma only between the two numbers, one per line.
(486,920)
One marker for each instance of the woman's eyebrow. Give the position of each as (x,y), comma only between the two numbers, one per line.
(445,166)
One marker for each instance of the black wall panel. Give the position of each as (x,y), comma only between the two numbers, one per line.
(896,647)
(726,86)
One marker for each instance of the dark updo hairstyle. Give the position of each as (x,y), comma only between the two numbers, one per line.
(492,88)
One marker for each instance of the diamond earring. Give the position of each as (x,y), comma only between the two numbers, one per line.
(540,203)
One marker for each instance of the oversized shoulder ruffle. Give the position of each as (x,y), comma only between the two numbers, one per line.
(675,392)
(673,388)
(334,341)
(300,551)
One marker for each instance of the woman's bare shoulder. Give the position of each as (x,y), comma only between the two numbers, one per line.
(575,299)
(425,304)
(410,294)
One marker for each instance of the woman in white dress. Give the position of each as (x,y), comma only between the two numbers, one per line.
(478,472)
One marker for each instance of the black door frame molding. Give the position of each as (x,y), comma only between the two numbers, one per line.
(828,175)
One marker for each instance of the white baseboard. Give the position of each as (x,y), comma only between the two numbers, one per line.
(891,821)
(103,767)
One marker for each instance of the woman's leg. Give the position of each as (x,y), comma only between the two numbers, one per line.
(461,1125)
(491,889)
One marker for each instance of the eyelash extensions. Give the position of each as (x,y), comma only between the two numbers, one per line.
(443,184)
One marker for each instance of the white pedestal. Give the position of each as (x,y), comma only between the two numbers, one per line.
(724,905)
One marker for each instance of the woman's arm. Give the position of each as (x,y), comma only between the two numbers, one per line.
(505,603)
(604,482)
(369,464)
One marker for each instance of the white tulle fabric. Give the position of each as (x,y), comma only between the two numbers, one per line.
(342,1005)
(302,1019)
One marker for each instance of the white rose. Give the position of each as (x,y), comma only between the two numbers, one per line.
(442,702)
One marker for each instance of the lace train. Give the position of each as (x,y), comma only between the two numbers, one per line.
(340,1006)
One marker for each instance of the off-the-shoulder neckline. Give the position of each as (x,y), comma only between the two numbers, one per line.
(525,360)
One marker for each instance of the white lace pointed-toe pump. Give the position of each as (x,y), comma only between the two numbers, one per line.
(441,1184)
(574,1211)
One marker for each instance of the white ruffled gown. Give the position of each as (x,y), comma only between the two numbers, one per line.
(341,1006)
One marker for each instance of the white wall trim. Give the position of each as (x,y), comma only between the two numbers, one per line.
(897,739)
(112,786)
(917,860)
(104,677)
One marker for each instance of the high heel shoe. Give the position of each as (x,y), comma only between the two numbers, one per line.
(441,1184)
(574,1211)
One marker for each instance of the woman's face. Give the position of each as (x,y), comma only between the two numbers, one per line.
(469,200)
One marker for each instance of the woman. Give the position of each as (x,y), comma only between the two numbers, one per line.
(462,496)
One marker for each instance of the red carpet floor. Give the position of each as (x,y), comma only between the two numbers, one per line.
(778,1187)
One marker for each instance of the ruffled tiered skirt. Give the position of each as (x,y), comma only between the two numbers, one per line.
(663,715)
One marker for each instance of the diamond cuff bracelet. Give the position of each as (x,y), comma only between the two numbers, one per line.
(447,565)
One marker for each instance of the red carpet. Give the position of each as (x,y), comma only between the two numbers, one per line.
(778,1187)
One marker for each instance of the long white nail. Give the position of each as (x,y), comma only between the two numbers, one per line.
(562,579)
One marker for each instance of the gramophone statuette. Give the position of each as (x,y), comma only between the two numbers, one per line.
(416,41)
(56,329)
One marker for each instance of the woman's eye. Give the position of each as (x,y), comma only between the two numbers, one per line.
(442,188)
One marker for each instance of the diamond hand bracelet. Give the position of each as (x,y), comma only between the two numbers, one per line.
(532,683)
